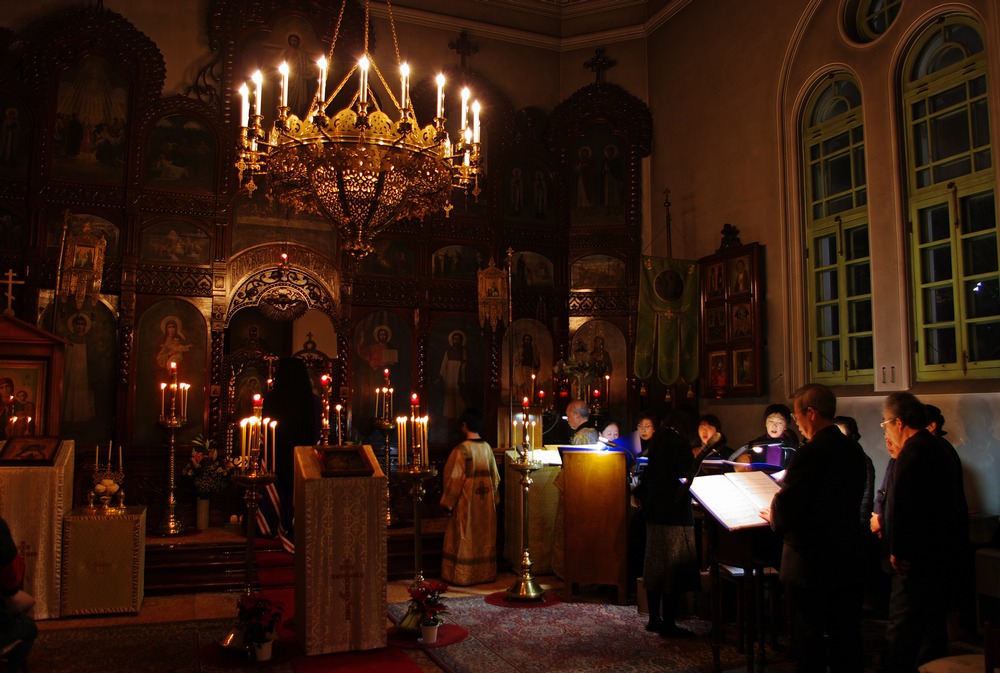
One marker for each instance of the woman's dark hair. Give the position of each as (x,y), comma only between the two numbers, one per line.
(850,424)
(712,420)
(778,409)
(604,425)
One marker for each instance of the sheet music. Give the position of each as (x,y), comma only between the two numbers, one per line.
(735,498)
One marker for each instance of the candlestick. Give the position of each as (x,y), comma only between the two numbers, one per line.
(274,425)
(163,399)
(245,106)
(119,457)
(363,66)
(258,81)
(339,436)
(322,82)
(465,108)
(97,457)
(109,455)
(475,122)
(607,390)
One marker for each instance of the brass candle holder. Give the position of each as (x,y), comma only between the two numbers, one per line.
(173,418)
(416,475)
(525,588)
(386,426)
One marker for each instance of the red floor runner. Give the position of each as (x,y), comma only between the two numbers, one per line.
(287,649)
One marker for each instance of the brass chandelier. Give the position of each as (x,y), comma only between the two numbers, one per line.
(359,167)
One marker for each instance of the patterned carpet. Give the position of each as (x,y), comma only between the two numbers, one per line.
(569,638)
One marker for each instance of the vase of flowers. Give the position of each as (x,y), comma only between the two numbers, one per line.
(208,474)
(258,618)
(425,607)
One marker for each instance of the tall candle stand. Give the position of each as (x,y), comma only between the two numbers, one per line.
(384,422)
(176,418)
(251,476)
(525,588)
(416,471)
(325,381)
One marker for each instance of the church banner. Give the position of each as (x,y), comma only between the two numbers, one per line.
(668,320)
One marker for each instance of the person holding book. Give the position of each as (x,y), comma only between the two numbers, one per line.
(816,514)
(777,432)
(670,564)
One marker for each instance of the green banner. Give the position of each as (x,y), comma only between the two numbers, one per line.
(668,320)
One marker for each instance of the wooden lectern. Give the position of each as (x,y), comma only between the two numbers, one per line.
(595,497)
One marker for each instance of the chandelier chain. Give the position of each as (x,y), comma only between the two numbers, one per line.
(392,27)
(336,32)
(367,6)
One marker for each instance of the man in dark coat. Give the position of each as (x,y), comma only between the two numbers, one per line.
(816,513)
(917,536)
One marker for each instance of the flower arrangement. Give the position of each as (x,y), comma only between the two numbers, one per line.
(208,472)
(258,617)
(426,605)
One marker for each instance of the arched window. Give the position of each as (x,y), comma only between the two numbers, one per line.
(952,204)
(836,218)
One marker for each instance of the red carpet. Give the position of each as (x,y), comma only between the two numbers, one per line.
(288,650)
(499,598)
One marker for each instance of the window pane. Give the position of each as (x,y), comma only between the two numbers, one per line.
(984,341)
(919,109)
(838,174)
(862,353)
(828,355)
(935,264)
(856,243)
(935,224)
(828,320)
(814,152)
(978,213)
(921,153)
(826,250)
(983,160)
(952,170)
(939,305)
(859,280)
(817,183)
(946,99)
(836,143)
(979,255)
(950,135)
(860,313)
(980,124)
(839,205)
(983,298)
(923,178)
(826,286)
(859,166)
(939,346)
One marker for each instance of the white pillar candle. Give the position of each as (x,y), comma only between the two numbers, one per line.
(283,69)
(465,107)
(258,81)
(475,122)
(322,82)
(440,98)
(245,106)
(363,67)
(404,75)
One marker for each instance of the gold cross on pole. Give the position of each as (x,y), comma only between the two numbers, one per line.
(9,280)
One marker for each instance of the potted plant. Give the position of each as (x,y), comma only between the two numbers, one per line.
(208,473)
(425,607)
(258,618)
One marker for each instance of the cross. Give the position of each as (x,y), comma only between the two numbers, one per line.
(9,279)
(463,47)
(482,490)
(599,64)
(345,593)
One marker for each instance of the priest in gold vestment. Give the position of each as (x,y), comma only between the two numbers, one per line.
(470,493)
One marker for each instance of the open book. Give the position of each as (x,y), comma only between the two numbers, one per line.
(735,499)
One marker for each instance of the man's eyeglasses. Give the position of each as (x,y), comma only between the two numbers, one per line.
(886,422)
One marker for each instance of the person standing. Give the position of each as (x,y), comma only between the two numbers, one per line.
(670,563)
(816,513)
(916,536)
(471,493)
(582,431)
(296,409)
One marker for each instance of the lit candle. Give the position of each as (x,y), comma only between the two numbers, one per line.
(119,457)
(339,434)
(283,69)
(531,442)
(109,455)
(513,435)
(465,107)
(245,106)
(532,386)
(388,413)
(525,401)
(378,403)
(475,122)
(400,440)
(322,82)
(97,456)
(363,66)
(258,81)
(163,399)
(541,396)
(440,99)
(274,425)
(607,389)
(404,74)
